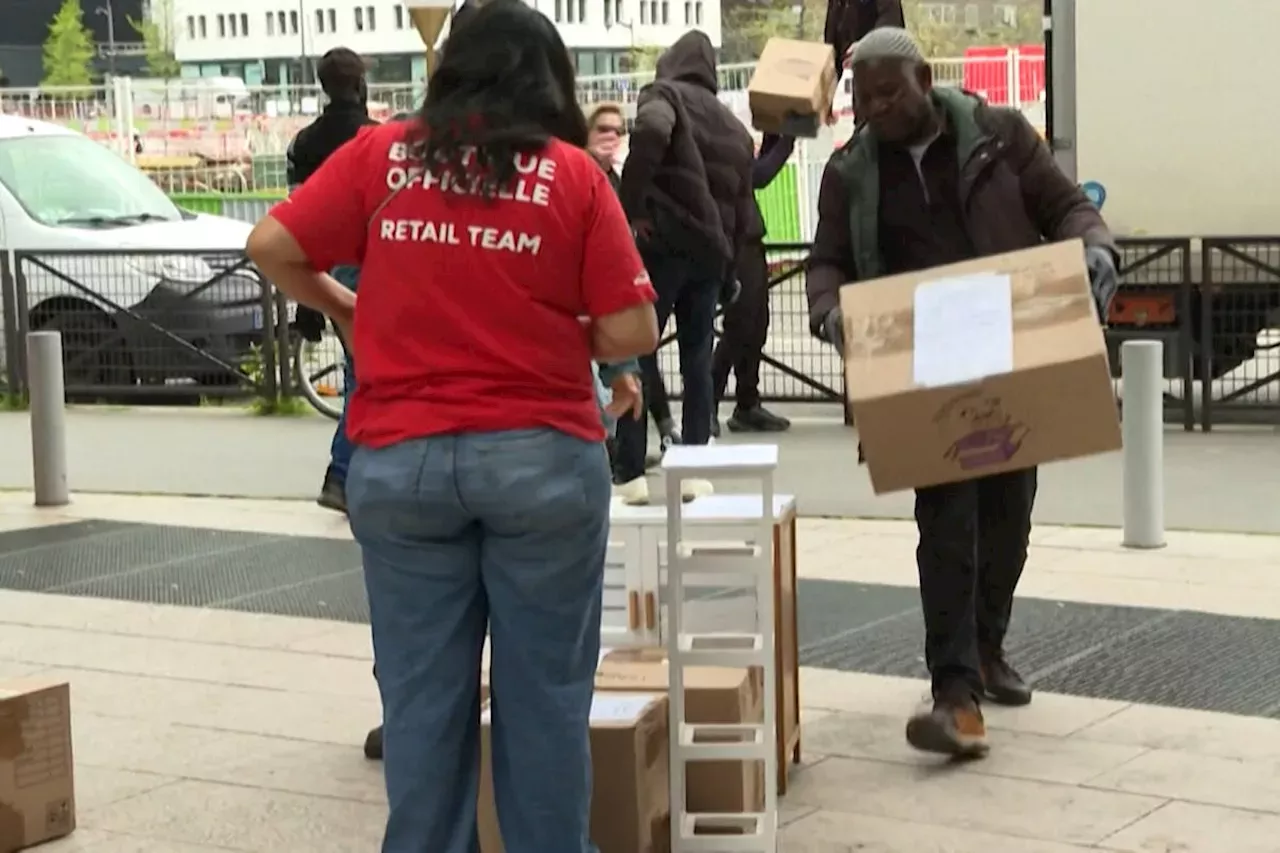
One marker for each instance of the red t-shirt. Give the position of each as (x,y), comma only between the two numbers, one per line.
(467,318)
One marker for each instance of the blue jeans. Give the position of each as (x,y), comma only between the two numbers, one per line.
(341,448)
(691,298)
(458,532)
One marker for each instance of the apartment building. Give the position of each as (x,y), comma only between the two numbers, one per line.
(275,42)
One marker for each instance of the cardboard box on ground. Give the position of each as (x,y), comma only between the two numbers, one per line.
(630,810)
(792,87)
(37,785)
(977,368)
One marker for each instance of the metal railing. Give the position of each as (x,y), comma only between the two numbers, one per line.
(1213,302)
(155,326)
(149,326)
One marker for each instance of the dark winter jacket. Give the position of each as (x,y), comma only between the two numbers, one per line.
(1011,196)
(849,21)
(334,127)
(690,157)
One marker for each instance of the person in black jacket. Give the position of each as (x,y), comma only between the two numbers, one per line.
(686,187)
(342,78)
(746,320)
(849,21)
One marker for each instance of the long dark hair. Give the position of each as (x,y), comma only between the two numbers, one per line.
(504,86)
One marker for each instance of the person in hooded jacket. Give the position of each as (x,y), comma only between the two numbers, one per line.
(686,188)
(342,78)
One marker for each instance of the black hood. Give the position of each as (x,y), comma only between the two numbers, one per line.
(691,59)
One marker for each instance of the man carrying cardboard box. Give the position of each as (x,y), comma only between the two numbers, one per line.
(937,176)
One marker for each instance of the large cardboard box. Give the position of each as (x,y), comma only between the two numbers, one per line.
(37,788)
(991,365)
(712,695)
(792,87)
(630,800)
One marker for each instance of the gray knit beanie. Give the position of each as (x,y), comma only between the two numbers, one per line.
(888,43)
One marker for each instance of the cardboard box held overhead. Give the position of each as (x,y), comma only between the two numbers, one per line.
(991,365)
(37,787)
(630,805)
(792,87)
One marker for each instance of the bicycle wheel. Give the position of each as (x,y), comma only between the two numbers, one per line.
(320,371)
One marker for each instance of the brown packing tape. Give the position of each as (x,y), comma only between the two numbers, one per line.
(1037,304)
(657,770)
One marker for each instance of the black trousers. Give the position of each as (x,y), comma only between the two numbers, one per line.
(746,328)
(973,546)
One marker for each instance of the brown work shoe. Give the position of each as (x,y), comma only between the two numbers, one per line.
(953,726)
(1001,682)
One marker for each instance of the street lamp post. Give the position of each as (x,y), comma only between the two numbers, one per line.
(109,14)
(302,40)
(429,17)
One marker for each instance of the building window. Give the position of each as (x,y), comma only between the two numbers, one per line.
(1007,15)
(333,20)
(222,26)
(617,10)
(644,12)
(972,16)
(244,23)
(608,13)
(572,12)
(293,23)
(234,25)
(697,13)
(399,10)
(359,13)
(559,11)
(688,13)
(191,26)
(940,13)
(280,17)
(369,16)
(666,12)
(204,28)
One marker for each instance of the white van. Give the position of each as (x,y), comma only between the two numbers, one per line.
(125,319)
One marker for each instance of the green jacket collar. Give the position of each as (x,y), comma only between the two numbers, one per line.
(859,166)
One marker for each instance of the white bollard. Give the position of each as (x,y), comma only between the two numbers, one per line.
(48,418)
(1142,417)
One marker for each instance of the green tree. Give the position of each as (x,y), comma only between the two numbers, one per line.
(943,40)
(643,59)
(156,32)
(68,49)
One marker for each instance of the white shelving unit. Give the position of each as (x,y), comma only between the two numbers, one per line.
(747,558)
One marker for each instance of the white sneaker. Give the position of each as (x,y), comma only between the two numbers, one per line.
(693,489)
(633,492)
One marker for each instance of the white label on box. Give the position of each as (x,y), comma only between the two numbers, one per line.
(619,707)
(963,329)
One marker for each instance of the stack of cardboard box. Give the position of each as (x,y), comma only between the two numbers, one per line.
(630,810)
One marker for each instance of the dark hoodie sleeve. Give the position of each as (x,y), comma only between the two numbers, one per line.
(650,137)
(774,151)
(831,262)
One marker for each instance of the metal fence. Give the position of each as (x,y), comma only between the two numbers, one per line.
(1214,303)
(222,135)
(149,326)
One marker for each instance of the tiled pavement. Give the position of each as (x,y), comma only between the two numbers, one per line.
(204,730)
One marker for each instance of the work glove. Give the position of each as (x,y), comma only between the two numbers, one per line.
(1104,279)
(729,292)
(833,329)
(309,323)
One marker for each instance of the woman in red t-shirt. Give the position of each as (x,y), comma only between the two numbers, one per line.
(496,263)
